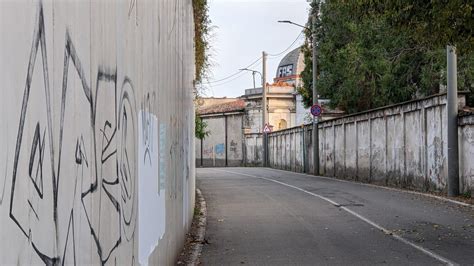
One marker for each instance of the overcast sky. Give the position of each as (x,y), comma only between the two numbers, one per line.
(245,28)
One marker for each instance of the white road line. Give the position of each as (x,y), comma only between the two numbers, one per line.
(372,223)
(377,186)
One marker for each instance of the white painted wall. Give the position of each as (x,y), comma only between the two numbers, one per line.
(215,145)
(75,77)
(466,153)
(303,115)
(401,145)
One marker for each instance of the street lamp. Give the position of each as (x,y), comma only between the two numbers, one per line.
(292,23)
(253,74)
(315,134)
(264,103)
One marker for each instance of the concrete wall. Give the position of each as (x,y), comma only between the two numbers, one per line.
(253,149)
(253,115)
(402,145)
(303,115)
(96,125)
(290,144)
(466,152)
(223,146)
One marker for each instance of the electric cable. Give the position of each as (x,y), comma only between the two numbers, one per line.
(289,47)
(228,81)
(232,76)
(236,73)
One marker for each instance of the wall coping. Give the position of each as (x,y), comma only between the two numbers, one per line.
(222,114)
(466,119)
(412,105)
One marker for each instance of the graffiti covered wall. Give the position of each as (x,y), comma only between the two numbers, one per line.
(223,146)
(96,105)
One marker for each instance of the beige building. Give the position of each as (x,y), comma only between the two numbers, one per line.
(283,102)
(224,120)
(281,107)
(285,106)
(230,119)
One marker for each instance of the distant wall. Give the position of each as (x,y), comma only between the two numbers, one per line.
(466,152)
(290,144)
(223,146)
(96,131)
(401,145)
(253,149)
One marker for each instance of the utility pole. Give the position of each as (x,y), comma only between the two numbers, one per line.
(315,136)
(315,133)
(264,90)
(253,75)
(264,108)
(452,120)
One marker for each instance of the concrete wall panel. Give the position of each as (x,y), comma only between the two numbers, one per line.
(378,150)
(466,151)
(363,154)
(401,145)
(350,151)
(339,151)
(253,150)
(413,150)
(76,76)
(234,140)
(436,154)
(395,150)
(298,151)
(217,146)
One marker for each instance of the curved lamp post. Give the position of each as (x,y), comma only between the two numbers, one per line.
(315,135)
(253,74)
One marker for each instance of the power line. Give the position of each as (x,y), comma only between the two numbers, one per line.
(230,76)
(225,80)
(289,47)
(228,81)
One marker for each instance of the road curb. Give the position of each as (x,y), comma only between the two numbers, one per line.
(384,187)
(196,246)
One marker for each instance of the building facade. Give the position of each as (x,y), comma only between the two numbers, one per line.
(284,105)
(223,145)
(231,120)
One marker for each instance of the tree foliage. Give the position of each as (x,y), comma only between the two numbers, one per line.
(202,30)
(375,53)
(201,128)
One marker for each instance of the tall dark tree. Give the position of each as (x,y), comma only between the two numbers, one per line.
(375,53)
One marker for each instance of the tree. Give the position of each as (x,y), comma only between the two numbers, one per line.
(200,128)
(432,23)
(375,53)
(202,30)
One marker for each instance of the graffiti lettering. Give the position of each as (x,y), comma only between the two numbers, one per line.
(102,155)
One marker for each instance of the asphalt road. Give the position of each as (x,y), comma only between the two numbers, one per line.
(260,216)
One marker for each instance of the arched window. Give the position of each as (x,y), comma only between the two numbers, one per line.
(282,124)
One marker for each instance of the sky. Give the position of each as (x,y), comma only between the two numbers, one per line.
(242,30)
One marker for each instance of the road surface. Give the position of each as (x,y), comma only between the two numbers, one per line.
(261,216)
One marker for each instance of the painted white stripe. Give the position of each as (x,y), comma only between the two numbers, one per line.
(377,186)
(368,221)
